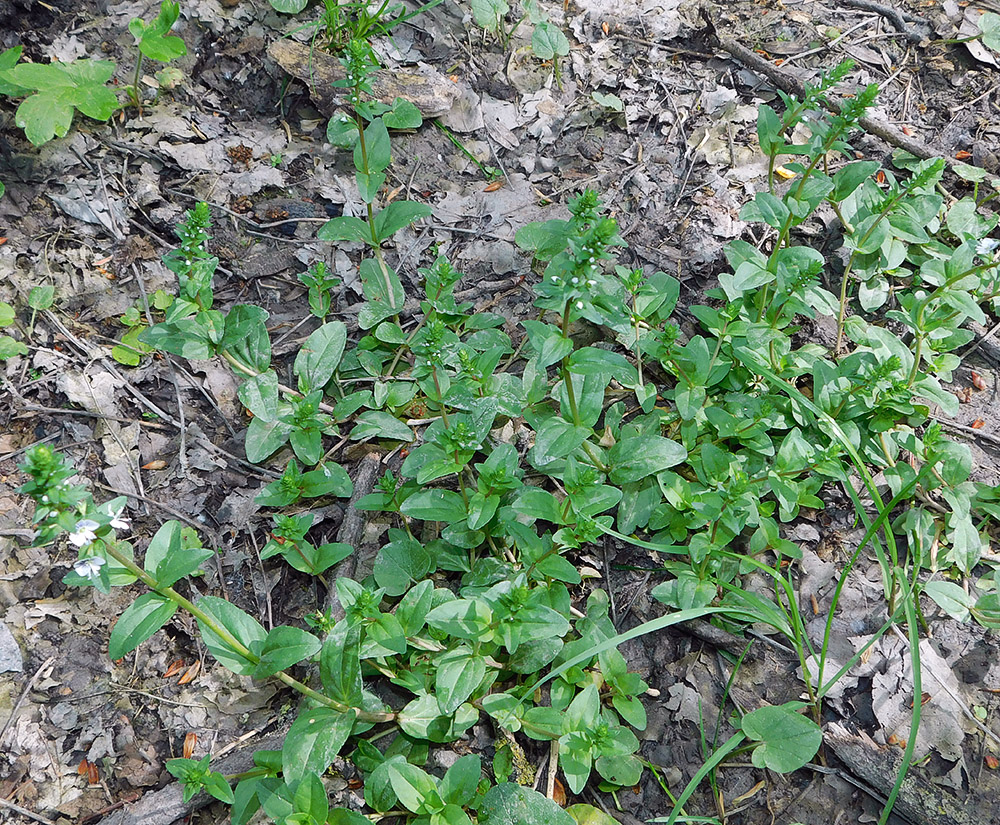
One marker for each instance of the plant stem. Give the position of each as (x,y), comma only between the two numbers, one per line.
(235,644)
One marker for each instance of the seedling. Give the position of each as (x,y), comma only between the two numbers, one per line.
(155,42)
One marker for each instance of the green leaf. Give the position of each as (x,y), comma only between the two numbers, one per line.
(246,337)
(283,647)
(510,804)
(196,337)
(340,665)
(260,395)
(141,619)
(44,117)
(244,627)
(245,801)
(461,780)
(556,438)
(767,208)
(415,788)
(7,314)
(548,341)
(462,618)
(9,347)
(41,297)
(951,598)
(264,438)
(61,89)
(435,505)
(383,290)
(397,215)
(545,238)
(488,14)
(368,185)
(310,799)
(788,740)
(320,356)
(377,149)
(313,740)
(608,101)
(459,673)
(413,607)
(155,42)
(635,458)
(167,560)
(547,41)
(216,785)
(8,60)
(328,479)
(288,6)
(404,115)
(422,719)
(989,25)
(850,177)
(589,815)
(378,424)
(401,563)
(345,228)
(342,131)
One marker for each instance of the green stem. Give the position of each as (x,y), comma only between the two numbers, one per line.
(235,644)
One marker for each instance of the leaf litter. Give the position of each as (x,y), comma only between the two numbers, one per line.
(677,163)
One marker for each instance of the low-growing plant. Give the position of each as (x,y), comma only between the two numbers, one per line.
(154,41)
(54,92)
(699,447)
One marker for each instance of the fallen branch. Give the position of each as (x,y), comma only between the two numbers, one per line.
(792,85)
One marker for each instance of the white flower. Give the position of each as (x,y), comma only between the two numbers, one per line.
(119,523)
(83,532)
(89,568)
(986,246)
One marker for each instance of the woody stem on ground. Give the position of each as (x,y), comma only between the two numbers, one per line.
(134,89)
(235,644)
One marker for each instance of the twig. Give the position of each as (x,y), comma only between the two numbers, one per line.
(197,525)
(25,812)
(894,16)
(550,779)
(21,698)
(351,529)
(875,126)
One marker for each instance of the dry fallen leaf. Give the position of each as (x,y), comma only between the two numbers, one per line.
(176,666)
(190,674)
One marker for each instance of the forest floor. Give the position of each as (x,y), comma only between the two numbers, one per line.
(675,159)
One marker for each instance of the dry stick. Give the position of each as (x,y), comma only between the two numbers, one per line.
(351,529)
(787,83)
(22,697)
(894,16)
(167,805)
(25,812)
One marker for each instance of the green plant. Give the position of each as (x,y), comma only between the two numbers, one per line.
(54,92)
(155,42)
(548,43)
(321,286)
(9,347)
(130,350)
(699,447)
